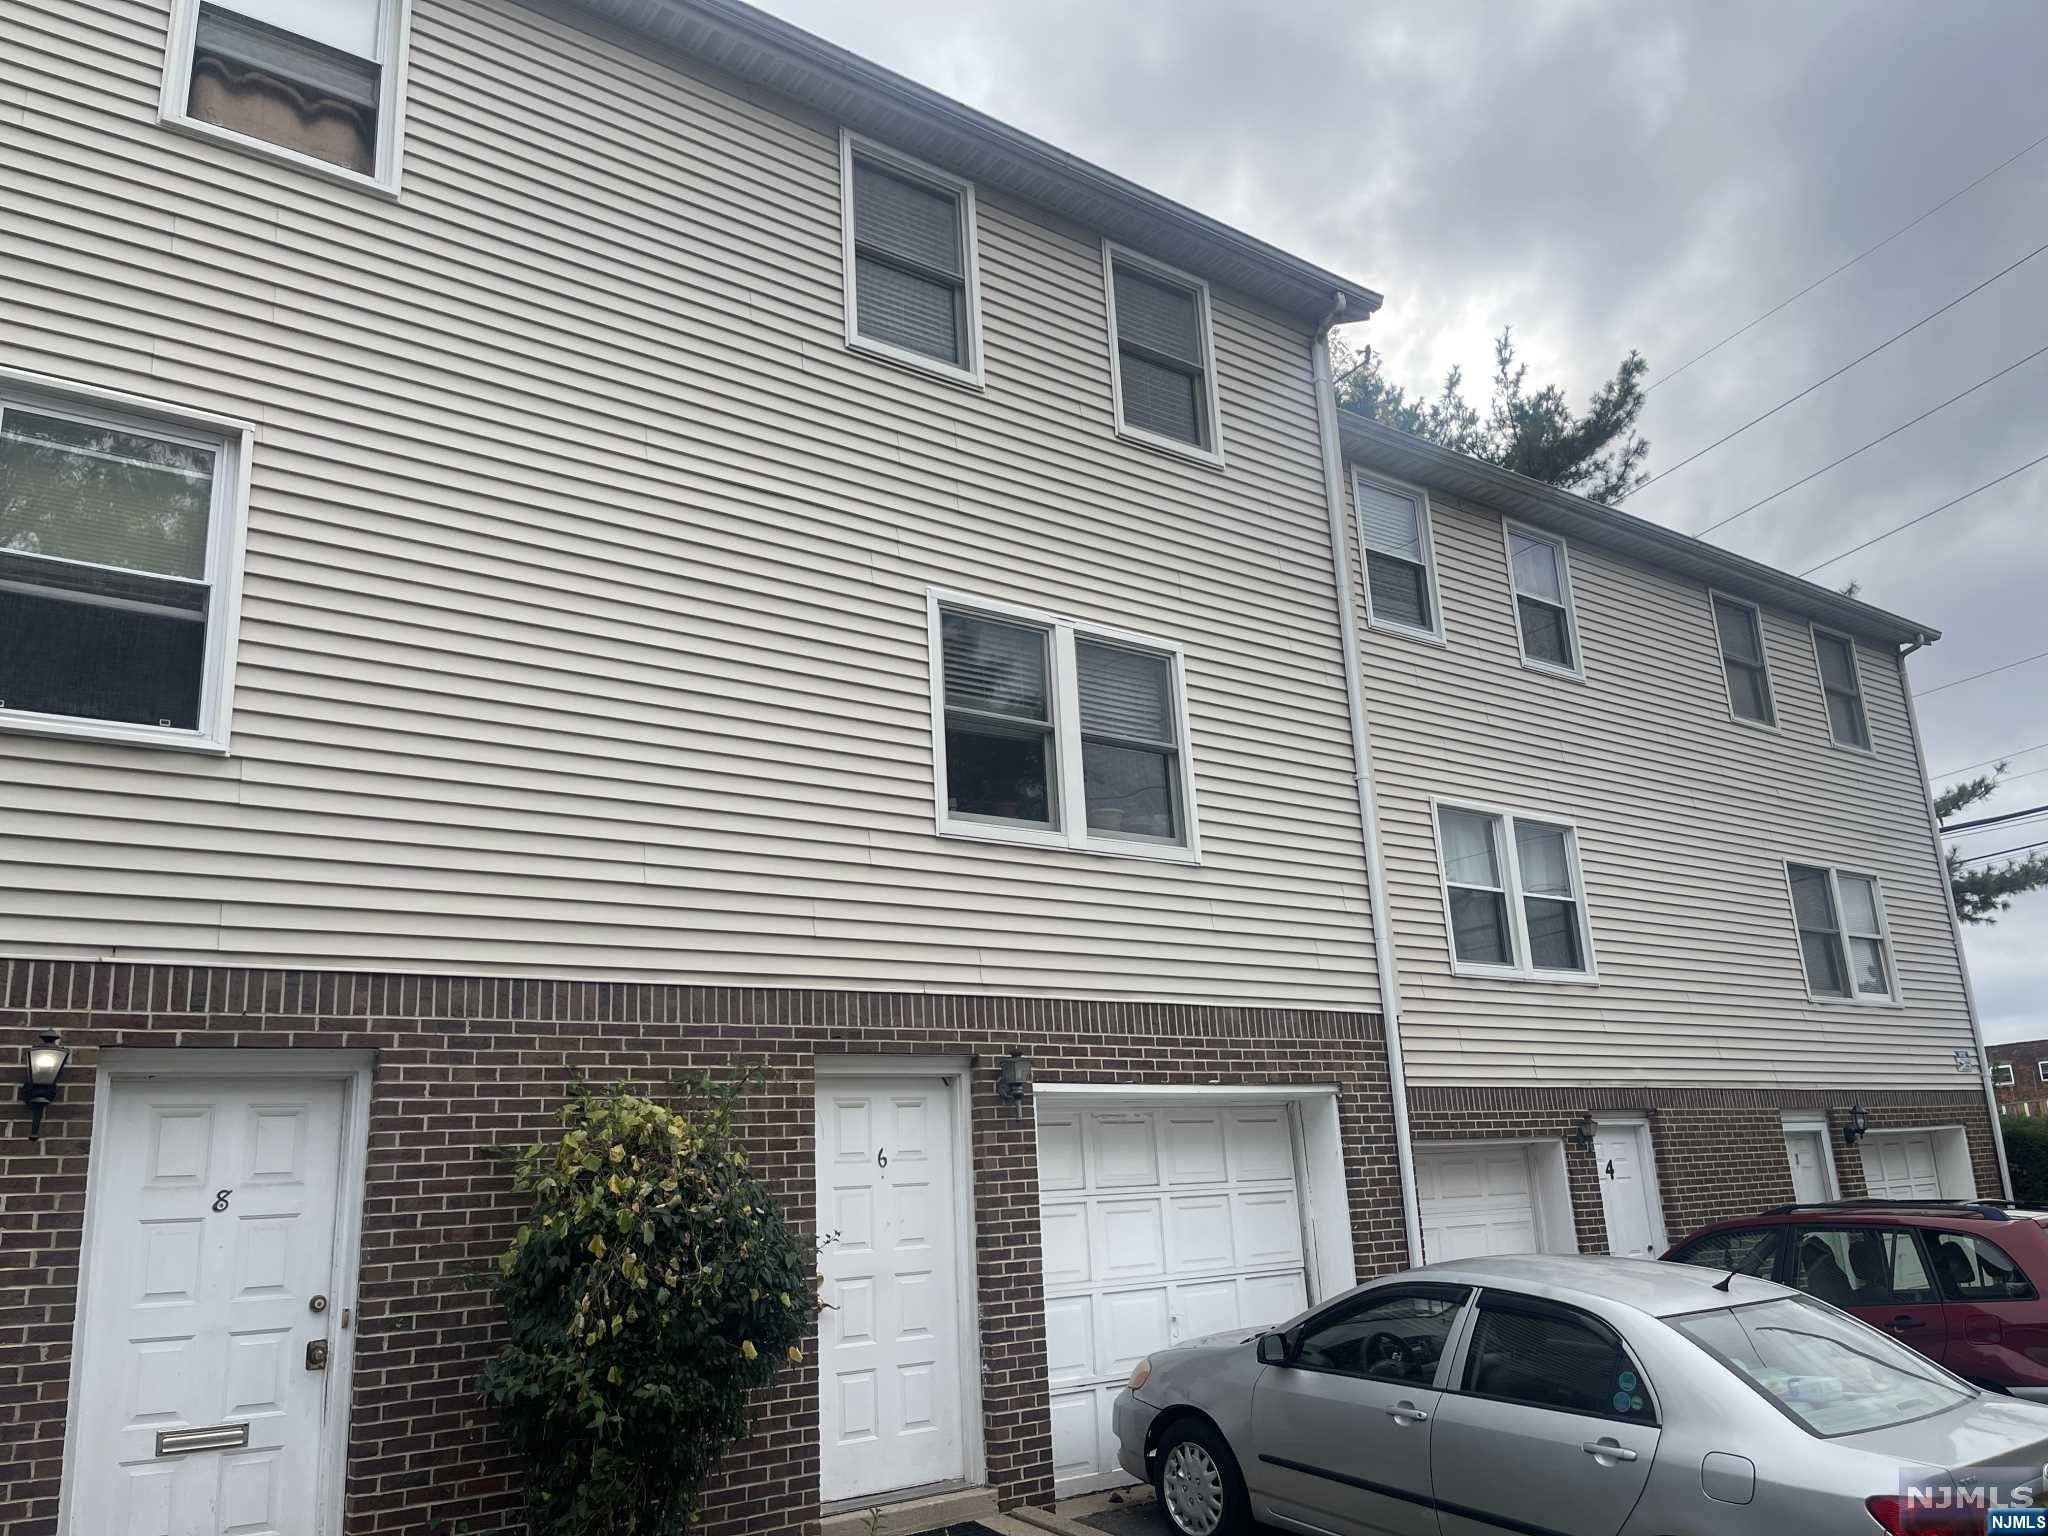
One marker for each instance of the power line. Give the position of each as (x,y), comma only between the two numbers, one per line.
(1992,821)
(1845,266)
(1914,521)
(1958,682)
(1830,378)
(1845,458)
(2003,853)
(1949,773)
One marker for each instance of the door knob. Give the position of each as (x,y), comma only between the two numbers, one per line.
(316,1355)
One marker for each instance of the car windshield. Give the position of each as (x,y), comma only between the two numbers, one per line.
(1829,1372)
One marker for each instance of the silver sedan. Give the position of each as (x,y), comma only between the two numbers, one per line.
(1559,1396)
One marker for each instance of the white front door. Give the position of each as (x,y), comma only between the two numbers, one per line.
(890,1400)
(1475,1201)
(211,1271)
(1628,1191)
(1807,1155)
(1901,1167)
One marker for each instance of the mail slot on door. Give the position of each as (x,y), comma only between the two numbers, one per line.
(217,1437)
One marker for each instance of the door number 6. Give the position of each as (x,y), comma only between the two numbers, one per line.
(881,1158)
(220,1199)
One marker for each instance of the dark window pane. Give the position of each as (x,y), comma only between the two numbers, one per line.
(1162,400)
(1479,927)
(1823,956)
(1396,1338)
(1400,591)
(1977,1269)
(92,656)
(994,667)
(1811,902)
(1553,934)
(285,90)
(1748,1251)
(919,314)
(1000,771)
(1837,662)
(906,218)
(1845,720)
(1553,1360)
(1545,636)
(1128,694)
(1158,316)
(1748,693)
(1130,793)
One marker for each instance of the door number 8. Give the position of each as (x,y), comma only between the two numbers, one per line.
(220,1199)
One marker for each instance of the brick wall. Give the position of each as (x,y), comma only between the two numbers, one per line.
(2028,1094)
(466,1066)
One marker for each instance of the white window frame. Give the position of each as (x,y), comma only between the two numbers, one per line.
(394,35)
(1855,998)
(233,442)
(1212,453)
(2042,1068)
(1763,647)
(1862,694)
(1577,670)
(1510,860)
(2006,1067)
(1070,792)
(1433,632)
(853,146)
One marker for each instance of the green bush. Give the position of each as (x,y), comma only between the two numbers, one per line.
(653,1287)
(2026,1154)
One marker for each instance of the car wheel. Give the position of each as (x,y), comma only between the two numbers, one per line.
(1198,1483)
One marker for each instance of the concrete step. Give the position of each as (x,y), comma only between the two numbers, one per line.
(909,1513)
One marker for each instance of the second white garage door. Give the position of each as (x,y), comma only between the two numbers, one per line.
(1476,1201)
(1901,1167)
(1160,1224)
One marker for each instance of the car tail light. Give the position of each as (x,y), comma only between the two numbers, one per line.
(1900,1518)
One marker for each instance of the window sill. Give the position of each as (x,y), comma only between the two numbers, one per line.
(1209,458)
(918,363)
(1525,974)
(1408,632)
(263,149)
(1850,746)
(112,733)
(1550,669)
(1059,842)
(1819,1000)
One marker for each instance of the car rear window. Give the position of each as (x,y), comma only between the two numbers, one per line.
(1829,1373)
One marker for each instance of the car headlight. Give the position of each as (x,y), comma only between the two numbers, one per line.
(1142,1373)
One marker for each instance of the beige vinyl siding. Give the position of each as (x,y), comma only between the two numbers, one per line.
(584,628)
(1685,819)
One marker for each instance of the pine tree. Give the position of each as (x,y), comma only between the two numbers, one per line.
(1981,894)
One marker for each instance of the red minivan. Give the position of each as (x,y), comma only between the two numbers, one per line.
(1960,1281)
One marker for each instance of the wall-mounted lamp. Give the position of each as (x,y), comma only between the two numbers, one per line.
(1013,1077)
(1584,1132)
(1854,1127)
(45,1065)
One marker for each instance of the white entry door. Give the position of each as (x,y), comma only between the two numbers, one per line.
(211,1271)
(1901,1167)
(1628,1190)
(890,1399)
(1475,1201)
(1807,1153)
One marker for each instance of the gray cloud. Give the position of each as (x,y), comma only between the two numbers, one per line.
(1604,176)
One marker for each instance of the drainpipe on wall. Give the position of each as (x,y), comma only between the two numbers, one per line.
(1955,922)
(1368,800)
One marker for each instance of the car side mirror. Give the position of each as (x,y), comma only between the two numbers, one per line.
(1273,1349)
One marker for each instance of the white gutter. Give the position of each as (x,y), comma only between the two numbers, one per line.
(1955,923)
(1383,963)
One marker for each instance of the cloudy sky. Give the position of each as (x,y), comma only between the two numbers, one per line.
(1605,175)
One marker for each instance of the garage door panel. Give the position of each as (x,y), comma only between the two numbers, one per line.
(1475,1202)
(1134,1323)
(1130,1238)
(1202,1234)
(1208,1308)
(1124,1156)
(1064,1236)
(1268,1226)
(1901,1167)
(1194,1147)
(1077,1443)
(1059,1152)
(1267,1299)
(1261,1147)
(1070,1339)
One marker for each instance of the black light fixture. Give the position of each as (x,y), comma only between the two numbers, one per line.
(1584,1132)
(1854,1127)
(1013,1077)
(45,1065)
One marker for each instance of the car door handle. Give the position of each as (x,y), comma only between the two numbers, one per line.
(1900,1324)
(1608,1449)
(1408,1413)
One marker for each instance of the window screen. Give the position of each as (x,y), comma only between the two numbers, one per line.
(910,274)
(1742,659)
(1820,935)
(1161,363)
(305,75)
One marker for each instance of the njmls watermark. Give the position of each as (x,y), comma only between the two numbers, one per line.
(1993,1501)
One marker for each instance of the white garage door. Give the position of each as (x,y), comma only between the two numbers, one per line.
(1160,1225)
(1901,1167)
(1475,1201)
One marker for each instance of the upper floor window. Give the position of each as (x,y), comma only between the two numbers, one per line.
(1164,381)
(319,80)
(2001,1074)
(1843,940)
(1842,687)
(1059,733)
(1513,896)
(1400,566)
(911,276)
(2041,1067)
(1739,629)
(119,535)
(1543,600)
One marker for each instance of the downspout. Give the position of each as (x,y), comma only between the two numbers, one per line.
(1955,923)
(1368,799)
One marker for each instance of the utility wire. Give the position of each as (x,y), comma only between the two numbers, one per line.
(1845,266)
(1958,682)
(1914,521)
(2003,853)
(1830,378)
(1845,458)
(1949,773)
(1992,821)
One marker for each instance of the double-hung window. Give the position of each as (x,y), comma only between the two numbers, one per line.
(1739,628)
(319,80)
(1842,687)
(911,275)
(1513,895)
(1164,381)
(119,535)
(1543,601)
(2002,1076)
(1059,733)
(1400,573)
(1844,944)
